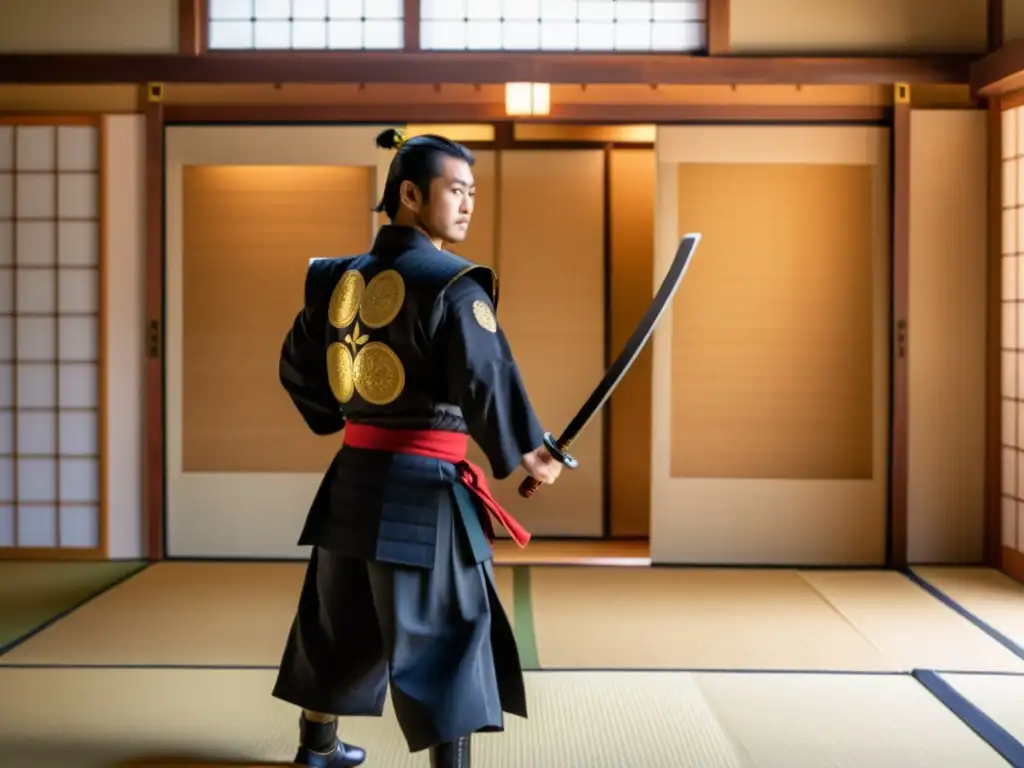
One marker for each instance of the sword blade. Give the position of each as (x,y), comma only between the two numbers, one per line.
(637,341)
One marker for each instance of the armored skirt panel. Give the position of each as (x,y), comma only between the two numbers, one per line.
(438,637)
(385,507)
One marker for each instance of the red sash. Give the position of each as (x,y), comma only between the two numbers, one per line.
(446,446)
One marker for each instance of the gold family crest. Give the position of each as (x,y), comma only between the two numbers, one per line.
(357,364)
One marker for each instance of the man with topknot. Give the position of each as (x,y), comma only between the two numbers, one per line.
(400,347)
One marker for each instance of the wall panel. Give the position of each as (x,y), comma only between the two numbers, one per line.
(794,27)
(551,268)
(247,232)
(1013,20)
(124,289)
(243,514)
(89,26)
(797,512)
(946,335)
(631,204)
(772,361)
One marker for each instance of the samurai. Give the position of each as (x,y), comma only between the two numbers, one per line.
(400,349)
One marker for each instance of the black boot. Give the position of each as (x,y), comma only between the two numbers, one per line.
(451,754)
(320,747)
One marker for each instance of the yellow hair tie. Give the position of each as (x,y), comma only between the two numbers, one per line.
(399,139)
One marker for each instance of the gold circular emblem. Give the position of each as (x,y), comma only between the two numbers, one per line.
(378,374)
(382,299)
(484,316)
(345,298)
(339,371)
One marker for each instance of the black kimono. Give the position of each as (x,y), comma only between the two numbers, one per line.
(400,586)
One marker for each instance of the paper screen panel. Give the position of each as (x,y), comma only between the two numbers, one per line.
(50,335)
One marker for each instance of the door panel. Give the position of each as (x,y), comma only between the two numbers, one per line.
(551,271)
(631,203)
(771,368)
(247,208)
(253,228)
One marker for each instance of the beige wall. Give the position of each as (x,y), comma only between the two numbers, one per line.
(124,292)
(857,26)
(1013,20)
(89,26)
(946,335)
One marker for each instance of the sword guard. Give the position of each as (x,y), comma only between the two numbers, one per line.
(530,483)
(564,458)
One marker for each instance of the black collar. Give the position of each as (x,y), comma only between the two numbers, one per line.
(393,240)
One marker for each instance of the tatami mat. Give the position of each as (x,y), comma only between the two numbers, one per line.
(1001,697)
(34,592)
(238,614)
(219,715)
(909,626)
(989,595)
(624,618)
(578,720)
(196,614)
(849,721)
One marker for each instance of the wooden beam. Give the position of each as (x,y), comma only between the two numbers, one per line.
(153,446)
(898,529)
(192,27)
(993,536)
(1000,72)
(718,27)
(411,19)
(477,68)
(486,112)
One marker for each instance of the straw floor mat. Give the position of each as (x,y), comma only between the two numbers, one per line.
(153,717)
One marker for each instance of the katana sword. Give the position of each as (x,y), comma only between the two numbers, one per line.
(559,446)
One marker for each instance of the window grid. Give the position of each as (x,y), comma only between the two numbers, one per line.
(49,336)
(306,25)
(678,26)
(564,25)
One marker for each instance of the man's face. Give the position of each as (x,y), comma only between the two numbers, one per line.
(450,208)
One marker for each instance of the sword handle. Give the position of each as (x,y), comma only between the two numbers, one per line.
(528,486)
(557,449)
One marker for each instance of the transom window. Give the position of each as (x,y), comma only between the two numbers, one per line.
(460,25)
(306,24)
(563,25)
